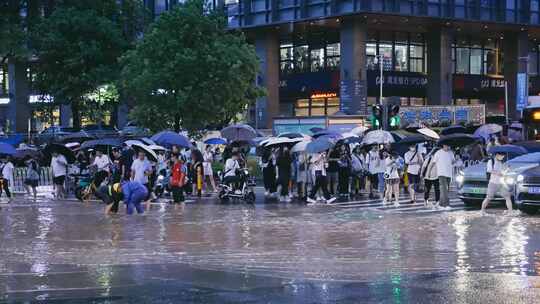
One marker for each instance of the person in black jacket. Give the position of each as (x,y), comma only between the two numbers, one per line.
(284,165)
(268,164)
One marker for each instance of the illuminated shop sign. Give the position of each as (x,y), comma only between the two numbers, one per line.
(324,95)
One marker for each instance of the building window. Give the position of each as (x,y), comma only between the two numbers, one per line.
(301,56)
(404,52)
(533,59)
(476,57)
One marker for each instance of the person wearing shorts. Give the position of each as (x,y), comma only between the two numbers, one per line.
(413,160)
(496,168)
(59,170)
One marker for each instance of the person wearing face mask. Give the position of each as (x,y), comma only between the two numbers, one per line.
(496,168)
(413,160)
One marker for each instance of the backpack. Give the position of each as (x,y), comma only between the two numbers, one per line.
(356,164)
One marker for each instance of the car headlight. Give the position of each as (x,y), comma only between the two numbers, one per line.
(509,180)
(520,178)
(460,178)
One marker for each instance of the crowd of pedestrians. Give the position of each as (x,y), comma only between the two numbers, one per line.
(346,172)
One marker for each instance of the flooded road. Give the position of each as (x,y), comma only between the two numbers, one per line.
(267,253)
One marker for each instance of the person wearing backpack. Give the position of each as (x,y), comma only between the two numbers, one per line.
(413,160)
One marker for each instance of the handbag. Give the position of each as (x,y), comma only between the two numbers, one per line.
(420,187)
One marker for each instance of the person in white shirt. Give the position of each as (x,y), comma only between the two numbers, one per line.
(208,159)
(318,168)
(59,169)
(496,168)
(431,180)
(444,160)
(102,162)
(391,176)
(231,166)
(141,169)
(376,168)
(6,180)
(413,160)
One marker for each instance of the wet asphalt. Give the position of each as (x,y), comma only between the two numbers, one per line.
(206,252)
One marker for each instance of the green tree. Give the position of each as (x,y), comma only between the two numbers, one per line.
(78,46)
(12,33)
(189,71)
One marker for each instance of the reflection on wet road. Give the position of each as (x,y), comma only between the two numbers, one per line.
(271,253)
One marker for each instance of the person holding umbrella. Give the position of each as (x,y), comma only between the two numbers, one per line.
(32,176)
(375,165)
(496,168)
(284,166)
(431,180)
(391,176)
(59,167)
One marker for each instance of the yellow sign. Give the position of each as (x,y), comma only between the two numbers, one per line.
(324,95)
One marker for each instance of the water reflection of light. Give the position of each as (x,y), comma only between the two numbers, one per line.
(461,228)
(513,240)
(103,278)
(246,229)
(41,250)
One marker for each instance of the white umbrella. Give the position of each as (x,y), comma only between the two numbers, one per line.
(378,137)
(359,130)
(300,147)
(73,145)
(349,135)
(428,132)
(150,154)
(132,142)
(487,130)
(157,148)
(281,140)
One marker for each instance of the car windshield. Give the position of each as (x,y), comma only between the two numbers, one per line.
(530,158)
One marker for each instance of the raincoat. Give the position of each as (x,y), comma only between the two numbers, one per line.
(134,193)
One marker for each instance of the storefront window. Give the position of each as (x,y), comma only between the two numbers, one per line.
(386,51)
(316,106)
(333,53)
(371,52)
(302,107)
(332,106)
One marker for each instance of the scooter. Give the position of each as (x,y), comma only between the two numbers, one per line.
(162,183)
(242,191)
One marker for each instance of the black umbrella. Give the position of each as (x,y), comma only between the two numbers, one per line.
(457,140)
(79,137)
(60,149)
(291,135)
(457,129)
(105,143)
(402,146)
(27,152)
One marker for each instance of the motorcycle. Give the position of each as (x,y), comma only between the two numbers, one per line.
(83,186)
(162,183)
(242,190)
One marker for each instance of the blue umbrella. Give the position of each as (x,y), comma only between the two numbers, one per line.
(6,148)
(327,133)
(239,132)
(215,141)
(508,149)
(291,135)
(105,142)
(320,144)
(486,131)
(169,138)
(316,129)
(13,140)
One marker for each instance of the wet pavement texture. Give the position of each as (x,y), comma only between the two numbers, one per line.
(204,252)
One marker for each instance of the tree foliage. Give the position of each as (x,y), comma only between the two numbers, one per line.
(78,47)
(189,71)
(13,38)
